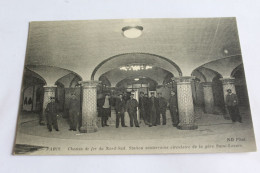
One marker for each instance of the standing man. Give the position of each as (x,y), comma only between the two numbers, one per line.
(120,111)
(74,110)
(143,101)
(105,109)
(131,107)
(162,109)
(154,105)
(173,105)
(51,115)
(147,108)
(232,106)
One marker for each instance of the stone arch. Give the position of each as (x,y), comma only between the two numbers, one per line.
(36,75)
(174,65)
(236,69)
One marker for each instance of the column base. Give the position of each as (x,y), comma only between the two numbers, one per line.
(99,124)
(187,126)
(209,111)
(85,129)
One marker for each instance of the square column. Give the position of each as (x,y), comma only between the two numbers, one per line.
(49,91)
(185,103)
(208,97)
(227,83)
(89,107)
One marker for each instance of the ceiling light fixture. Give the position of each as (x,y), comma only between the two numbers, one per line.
(226,51)
(132,31)
(135,67)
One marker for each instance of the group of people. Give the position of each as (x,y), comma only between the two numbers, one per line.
(151,109)
(51,112)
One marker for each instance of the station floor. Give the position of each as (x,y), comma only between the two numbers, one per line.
(210,127)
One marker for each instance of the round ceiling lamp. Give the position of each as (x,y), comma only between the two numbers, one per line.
(226,51)
(132,31)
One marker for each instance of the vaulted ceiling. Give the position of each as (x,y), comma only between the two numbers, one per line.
(81,46)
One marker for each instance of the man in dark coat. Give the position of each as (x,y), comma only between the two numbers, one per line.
(143,104)
(232,106)
(104,105)
(147,108)
(120,111)
(74,110)
(173,106)
(51,115)
(154,106)
(131,107)
(162,109)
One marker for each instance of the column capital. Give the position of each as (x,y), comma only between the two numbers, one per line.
(89,84)
(227,80)
(206,84)
(183,79)
(50,86)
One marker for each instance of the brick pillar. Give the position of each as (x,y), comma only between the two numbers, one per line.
(49,91)
(89,107)
(208,97)
(185,103)
(227,83)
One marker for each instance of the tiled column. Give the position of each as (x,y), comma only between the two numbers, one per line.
(89,107)
(227,83)
(49,91)
(208,97)
(185,103)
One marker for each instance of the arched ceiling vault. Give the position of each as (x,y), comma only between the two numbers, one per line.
(136,58)
(80,46)
(156,73)
(28,72)
(199,75)
(130,80)
(67,79)
(49,73)
(223,66)
(209,74)
(239,67)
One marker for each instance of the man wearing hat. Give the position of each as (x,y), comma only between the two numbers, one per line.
(104,105)
(143,103)
(232,106)
(120,110)
(173,106)
(154,106)
(131,107)
(51,115)
(162,109)
(74,110)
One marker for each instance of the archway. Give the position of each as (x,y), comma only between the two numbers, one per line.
(130,58)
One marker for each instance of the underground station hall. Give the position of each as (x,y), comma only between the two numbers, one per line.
(131,79)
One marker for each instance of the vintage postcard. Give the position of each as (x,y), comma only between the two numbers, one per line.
(134,86)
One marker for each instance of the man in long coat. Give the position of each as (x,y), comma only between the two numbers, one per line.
(154,106)
(232,106)
(131,107)
(120,111)
(143,104)
(162,109)
(173,106)
(104,106)
(51,115)
(74,110)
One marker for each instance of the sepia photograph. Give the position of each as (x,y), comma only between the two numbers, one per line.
(134,86)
